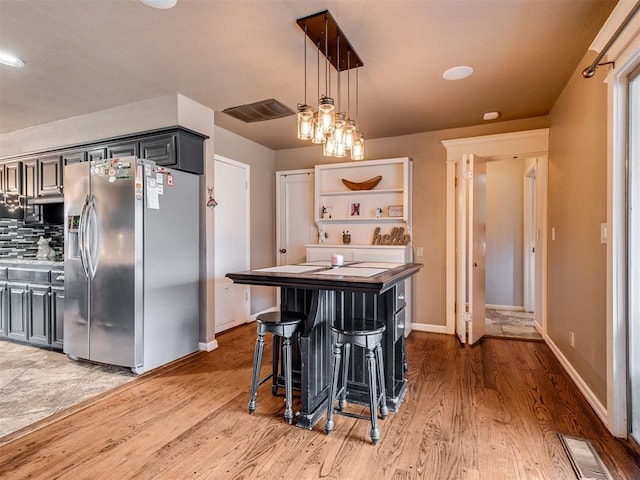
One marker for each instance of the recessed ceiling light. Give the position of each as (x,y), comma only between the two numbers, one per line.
(490,115)
(160,3)
(11,60)
(457,73)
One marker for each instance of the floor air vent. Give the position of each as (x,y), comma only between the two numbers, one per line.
(584,459)
(259,111)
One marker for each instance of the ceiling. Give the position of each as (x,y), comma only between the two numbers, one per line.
(87,55)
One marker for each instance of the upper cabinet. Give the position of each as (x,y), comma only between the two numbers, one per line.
(174,147)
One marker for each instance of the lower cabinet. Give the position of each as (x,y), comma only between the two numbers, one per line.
(17,311)
(38,314)
(32,313)
(57,317)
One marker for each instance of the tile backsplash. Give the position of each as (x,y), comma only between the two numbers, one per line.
(20,240)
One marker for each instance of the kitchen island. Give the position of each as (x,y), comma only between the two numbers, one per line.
(373,290)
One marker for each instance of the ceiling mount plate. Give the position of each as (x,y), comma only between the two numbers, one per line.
(316,32)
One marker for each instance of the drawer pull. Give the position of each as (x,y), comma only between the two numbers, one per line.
(401,297)
(60,278)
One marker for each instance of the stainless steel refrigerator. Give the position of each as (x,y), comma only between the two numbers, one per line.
(131,263)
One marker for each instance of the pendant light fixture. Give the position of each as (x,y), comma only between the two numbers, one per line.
(305,112)
(357,150)
(331,126)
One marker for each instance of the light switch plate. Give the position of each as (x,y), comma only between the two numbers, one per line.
(604,233)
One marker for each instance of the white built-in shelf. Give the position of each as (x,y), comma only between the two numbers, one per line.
(358,220)
(361,192)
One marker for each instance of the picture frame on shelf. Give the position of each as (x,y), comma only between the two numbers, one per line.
(395,211)
(355,209)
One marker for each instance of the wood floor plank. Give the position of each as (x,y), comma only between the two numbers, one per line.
(491,411)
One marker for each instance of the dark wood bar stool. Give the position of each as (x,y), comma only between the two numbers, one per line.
(282,325)
(366,334)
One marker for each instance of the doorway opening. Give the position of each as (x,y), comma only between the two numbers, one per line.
(461,265)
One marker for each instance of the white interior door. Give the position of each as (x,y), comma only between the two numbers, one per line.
(529,239)
(296,227)
(232,214)
(477,245)
(470,248)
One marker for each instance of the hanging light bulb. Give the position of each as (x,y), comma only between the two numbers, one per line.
(357,151)
(318,133)
(329,146)
(338,130)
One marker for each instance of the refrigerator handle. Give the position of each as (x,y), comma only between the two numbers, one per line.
(93,237)
(82,236)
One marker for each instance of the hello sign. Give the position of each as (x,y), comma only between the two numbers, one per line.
(395,237)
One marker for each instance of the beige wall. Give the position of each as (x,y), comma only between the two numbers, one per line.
(577,207)
(504,232)
(263,205)
(429,186)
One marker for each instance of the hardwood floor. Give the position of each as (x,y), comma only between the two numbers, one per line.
(491,411)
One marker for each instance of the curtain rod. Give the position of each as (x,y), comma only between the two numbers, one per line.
(590,71)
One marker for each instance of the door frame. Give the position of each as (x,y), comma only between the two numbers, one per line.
(617,315)
(528,235)
(529,144)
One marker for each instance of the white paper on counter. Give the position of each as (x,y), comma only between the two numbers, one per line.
(385,265)
(319,263)
(288,269)
(352,272)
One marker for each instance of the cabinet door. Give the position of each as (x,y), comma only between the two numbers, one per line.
(38,316)
(3,310)
(160,149)
(29,177)
(2,178)
(97,154)
(124,149)
(73,157)
(12,177)
(57,316)
(17,311)
(49,175)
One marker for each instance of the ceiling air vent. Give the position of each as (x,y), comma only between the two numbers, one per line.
(259,111)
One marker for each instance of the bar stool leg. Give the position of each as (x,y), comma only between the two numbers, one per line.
(373,395)
(342,392)
(275,364)
(384,410)
(286,360)
(333,385)
(257,362)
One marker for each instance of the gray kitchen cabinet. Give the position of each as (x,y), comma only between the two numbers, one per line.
(38,314)
(17,311)
(3,310)
(12,177)
(57,317)
(123,149)
(49,175)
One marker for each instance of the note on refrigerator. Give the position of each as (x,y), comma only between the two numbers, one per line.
(153,201)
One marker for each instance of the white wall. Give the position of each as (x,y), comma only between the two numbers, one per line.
(263,205)
(504,232)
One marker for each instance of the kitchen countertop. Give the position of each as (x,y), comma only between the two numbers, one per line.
(29,261)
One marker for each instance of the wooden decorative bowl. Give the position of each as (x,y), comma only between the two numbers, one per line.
(366,185)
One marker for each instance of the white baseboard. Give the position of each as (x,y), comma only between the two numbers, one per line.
(513,308)
(424,327)
(208,347)
(253,317)
(597,406)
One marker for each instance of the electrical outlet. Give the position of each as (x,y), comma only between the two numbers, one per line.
(572,339)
